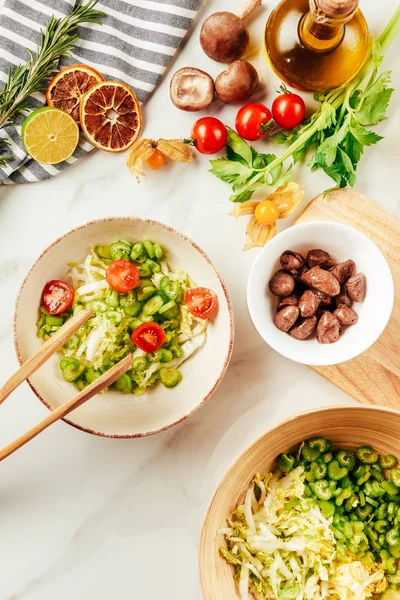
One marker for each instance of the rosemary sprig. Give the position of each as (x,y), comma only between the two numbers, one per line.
(57,40)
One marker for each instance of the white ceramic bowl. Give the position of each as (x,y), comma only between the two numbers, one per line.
(113,414)
(342,242)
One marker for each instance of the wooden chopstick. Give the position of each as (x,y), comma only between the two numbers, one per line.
(51,346)
(94,388)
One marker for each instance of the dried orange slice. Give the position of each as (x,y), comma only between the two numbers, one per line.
(110,116)
(67,87)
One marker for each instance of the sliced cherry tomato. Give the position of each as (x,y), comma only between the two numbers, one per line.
(57,296)
(148,336)
(122,276)
(288,109)
(253,121)
(156,160)
(201,302)
(208,135)
(266,212)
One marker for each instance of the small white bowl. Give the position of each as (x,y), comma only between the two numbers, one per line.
(342,243)
(113,414)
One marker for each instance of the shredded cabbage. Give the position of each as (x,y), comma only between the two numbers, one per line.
(283,547)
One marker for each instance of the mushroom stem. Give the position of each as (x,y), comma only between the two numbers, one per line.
(247,8)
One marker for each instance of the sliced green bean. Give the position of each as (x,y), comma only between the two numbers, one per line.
(124,384)
(120,250)
(170,377)
(113,299)
(158,250)
(137,251)
(346,459)
(153,305)
(71,368)
(148,245)
(367,455)
(395,477)
(103,252)
(146,293)
(99,306)
(387,461)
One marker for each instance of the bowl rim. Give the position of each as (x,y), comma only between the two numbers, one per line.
(321,362)
(184,237)
(304,413)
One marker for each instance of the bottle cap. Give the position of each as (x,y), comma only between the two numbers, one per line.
(337,8)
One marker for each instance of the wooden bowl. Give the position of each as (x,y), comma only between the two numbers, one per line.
(112,414)
(347,426)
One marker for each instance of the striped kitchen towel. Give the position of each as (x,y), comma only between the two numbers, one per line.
(135,43)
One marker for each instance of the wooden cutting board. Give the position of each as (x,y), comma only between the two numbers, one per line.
(374,376)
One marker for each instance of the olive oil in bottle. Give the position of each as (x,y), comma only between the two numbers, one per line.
(315,45)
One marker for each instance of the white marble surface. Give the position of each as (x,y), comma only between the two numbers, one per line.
(85,517)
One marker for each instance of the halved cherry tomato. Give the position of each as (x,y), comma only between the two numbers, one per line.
(288,110)
(122,276)
(253,121)
(148,336)
(266,212)
(201,302)
(156,160)
(57,296)
(208,135)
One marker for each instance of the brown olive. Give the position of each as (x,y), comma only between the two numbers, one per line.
(343,271)
(328,328)
(317,257)
(304,329)
(291,300)
(356,287)
(286,317)
(292,261)
(309,303)
(321,280)
(343,298)
(346,315)
(282,283)
(325,299)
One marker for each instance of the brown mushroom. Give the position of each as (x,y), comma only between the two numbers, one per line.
(237,83)
(191,89)
(223,36)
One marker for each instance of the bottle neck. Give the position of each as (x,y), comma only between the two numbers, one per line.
(322,28)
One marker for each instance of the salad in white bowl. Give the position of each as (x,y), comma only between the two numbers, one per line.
(139,305)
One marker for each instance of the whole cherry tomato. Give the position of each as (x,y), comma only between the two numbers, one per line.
(288,110)
(201,302)
(208,135)
(156,160)
(148,336)
(122,276)
(253,121)
(57,296)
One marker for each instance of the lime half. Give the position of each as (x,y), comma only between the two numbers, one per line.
(50,135)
